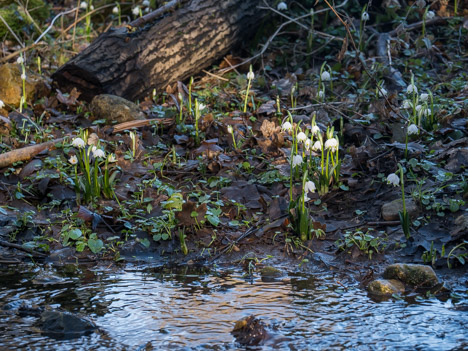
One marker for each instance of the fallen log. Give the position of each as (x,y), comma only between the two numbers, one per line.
(150,54)
(26,153)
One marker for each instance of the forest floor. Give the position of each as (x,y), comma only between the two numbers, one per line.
(209,178)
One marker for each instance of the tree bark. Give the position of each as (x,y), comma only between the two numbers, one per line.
(131,63)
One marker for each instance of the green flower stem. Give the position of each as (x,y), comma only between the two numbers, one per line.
(247,95)
(406,145)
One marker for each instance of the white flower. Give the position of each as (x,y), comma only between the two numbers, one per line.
(286,127)
(23,76)
(297,160)
(393,179)
(84,5)
(421,3)
(418,108)
(73,160)
(78,142)
(282,6)
(230,129)
(115,10)
(301,137)
(2,104)
(325,76)
(93,149)
(308,144)
(430,15)
(145,3)
(309,187)
(382,91)
(250,75)
(20,60)
(317,146)
(427,111)
(136,11)
(201,107)
(407,104)
(412,89)
(91,7)
(331,144)
(98,153)
(315,130)
(413,129)
(111,158)
(424,97)
(365,16)
(147,10)
(321,94)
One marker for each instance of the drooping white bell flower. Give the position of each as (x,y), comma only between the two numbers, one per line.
(430,15)
(412,89)
(297,160)
(78,142)
(250,75)
(365,16)
(331,144)
(393,179)
(424,97)
(317,146)
(301,137)
(286,127)
(282,6)
(325,76)
(309,187)
(308,144)
(99,153)
(413,129)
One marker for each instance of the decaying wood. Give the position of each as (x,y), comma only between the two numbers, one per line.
(131,62)
(21,248)
(26,153)
(141,123)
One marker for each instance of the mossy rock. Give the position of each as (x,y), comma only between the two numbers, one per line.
(11,87)
(384,287)
(17,18)
(417,275)
(270,272)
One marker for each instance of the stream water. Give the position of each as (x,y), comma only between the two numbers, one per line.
(195,309)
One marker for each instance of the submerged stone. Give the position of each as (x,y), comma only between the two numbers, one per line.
(417,275)
(65,325)
(250,331)
(270,272)
(384,287)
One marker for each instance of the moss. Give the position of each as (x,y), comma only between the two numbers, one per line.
(17,19)
(412,274)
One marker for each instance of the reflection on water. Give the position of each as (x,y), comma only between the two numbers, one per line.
(164,309)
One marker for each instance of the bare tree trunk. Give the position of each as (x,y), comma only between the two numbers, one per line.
(174,47)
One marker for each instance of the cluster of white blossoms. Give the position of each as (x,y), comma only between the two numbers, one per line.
(97,152)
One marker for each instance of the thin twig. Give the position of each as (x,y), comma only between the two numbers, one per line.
(11,31)
(139,22)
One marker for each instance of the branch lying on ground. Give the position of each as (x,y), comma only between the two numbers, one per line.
(26,153)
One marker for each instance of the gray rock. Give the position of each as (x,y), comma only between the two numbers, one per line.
(65,325)
(417,275)
(114,108)
(383,287)
(390,209)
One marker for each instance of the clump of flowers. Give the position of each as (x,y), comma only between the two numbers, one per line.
(396,179)
(93,173)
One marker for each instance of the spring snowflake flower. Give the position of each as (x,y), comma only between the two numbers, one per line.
(84,5)
(413,129)
(407,104)
(78,142)
(421,3)
(309,187)
(418,108)
(136,11)
(317,146)
(2,104)
(99,153)
(111,158)
(412,89)
(331,144)
(315,130)
(282,6)
(301,137)
(73,160)
(115,10)
(250,75)
(308,144)
(23,76)
(365,16)
(297,160)
(230,129)
(20,60)
(393,179)
(424,97)
(201,107)
(325,76)
(145,3)
(91,7)
(430,15)
(321,94)
(286,127)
